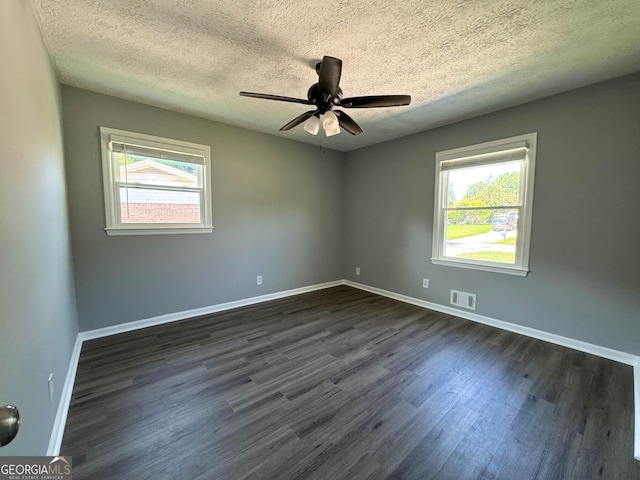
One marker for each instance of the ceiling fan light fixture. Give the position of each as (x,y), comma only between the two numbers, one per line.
(330,124)
(331,133)
(312,125)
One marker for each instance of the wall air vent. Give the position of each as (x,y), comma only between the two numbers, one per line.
(463,299)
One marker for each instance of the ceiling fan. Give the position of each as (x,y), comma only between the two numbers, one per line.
(327,94)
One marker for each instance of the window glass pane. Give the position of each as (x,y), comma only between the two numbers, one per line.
(485,186)
(145,205)
(487,235)
(153,171)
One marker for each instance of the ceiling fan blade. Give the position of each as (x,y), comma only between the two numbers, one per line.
(266,96)
(376,101)
(330,71)
(348,123)
(298,120)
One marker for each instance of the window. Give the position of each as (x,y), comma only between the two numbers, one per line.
(483,201)
(154,185)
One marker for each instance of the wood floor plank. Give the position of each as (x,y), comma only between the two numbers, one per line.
(343,384)
(428,457)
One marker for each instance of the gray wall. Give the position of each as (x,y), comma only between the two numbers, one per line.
(276,213)
(38,321)
(585,262)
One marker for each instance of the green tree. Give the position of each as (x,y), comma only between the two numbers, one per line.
(487,193)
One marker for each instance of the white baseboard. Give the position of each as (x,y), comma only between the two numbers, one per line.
(636,396)
(197,312)
(55,441)
(579,345)
(598,350)
(65,399)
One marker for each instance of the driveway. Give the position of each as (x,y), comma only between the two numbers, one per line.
(480,243)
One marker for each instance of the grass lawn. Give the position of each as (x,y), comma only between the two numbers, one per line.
(508,241)
(505,257)
(461,231)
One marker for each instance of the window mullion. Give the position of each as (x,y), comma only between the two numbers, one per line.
(150,186)
(490,207)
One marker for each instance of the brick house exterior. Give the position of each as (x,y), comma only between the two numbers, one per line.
(141,203)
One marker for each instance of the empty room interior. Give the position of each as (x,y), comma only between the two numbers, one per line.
(321,240)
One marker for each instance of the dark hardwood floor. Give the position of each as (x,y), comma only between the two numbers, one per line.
(343,384)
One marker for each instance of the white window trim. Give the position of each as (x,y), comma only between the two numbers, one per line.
(521,266)
(112,209)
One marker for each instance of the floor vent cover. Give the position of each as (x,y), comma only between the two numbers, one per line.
(463,299)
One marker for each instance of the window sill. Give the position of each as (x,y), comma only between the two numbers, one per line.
(486,268)
(156,231)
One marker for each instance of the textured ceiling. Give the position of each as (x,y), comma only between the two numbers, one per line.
(456,58)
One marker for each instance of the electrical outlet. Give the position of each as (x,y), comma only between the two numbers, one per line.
(425,283)
(50,385)
(357,270)
(259,280)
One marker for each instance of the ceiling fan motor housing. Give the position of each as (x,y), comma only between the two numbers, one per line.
(323,101)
